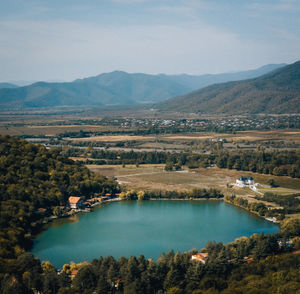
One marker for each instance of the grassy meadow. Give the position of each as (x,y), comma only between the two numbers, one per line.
(155,177)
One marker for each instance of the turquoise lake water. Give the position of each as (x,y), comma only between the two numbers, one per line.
(151,227)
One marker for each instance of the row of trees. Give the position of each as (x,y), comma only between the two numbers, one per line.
(195,193)
(278,163)
(256,207)
(290,203)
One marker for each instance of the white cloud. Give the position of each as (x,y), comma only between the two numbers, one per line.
(68,50)
(129,1)
(279,6)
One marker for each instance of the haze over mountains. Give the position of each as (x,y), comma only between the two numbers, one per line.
(115,88)
(7,85)
(276,92)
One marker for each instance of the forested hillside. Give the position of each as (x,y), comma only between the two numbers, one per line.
(276,92)
(116,88)
(7,85)
(32,177)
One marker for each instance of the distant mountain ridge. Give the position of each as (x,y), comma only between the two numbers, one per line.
(275,92)
(7,85)
(115,88)
(197,82)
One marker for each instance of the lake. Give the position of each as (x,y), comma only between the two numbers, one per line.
(129,228)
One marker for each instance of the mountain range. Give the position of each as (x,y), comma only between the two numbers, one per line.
(115,88)
(275,92)
(7,85)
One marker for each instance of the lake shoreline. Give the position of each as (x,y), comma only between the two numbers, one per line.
(180,199)
(154,227)
(48,221)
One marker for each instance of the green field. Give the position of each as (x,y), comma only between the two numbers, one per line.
(155,177)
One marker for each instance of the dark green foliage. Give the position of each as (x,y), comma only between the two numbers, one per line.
(195,193)
(102,286)
(32,177)
(272,183)
(86,279)
(278,163)
(50,283)
(290,203)
(291,228)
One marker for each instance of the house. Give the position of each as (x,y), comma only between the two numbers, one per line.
(75,202)
(248,259)
(73,274)
(200,257)
(41,211)
(242,181)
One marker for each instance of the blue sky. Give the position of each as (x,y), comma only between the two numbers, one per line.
(69,39)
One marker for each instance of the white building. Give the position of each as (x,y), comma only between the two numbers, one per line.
(243,182)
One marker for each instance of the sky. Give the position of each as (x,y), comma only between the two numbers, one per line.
(69,39)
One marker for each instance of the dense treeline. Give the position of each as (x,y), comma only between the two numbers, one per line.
(249,265)
(195,193)
(119,157)
(258,207)
(32,177)
(278,163)
(289,203)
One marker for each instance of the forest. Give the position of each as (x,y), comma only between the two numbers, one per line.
(32,177)
(278,163)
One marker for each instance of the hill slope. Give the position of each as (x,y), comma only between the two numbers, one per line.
(7,85)
(115,88)
(276,92)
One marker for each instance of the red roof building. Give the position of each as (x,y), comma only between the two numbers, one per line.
(200,257)
(75,202)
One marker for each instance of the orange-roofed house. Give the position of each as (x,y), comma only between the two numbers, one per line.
(73,274)
(248,259)
(202,257)
(75,202)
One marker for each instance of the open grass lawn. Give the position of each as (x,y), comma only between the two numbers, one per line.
(155,177)
(278,190)
(240,136)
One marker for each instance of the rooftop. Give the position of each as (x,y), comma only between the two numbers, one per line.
(74,199)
